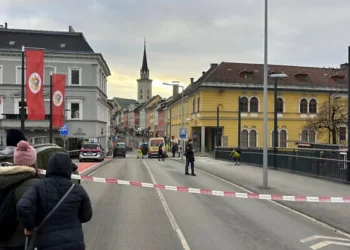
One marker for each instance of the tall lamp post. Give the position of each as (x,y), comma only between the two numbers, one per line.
(239,121)
(275,126)
(177,83)
(348,155)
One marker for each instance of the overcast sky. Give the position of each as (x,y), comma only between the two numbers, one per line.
(185,36)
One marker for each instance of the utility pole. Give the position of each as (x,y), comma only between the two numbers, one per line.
(265,166)
(23,113)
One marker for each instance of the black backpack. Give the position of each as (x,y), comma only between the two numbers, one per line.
(8,213)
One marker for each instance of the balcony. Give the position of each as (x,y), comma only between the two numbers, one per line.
(14,121)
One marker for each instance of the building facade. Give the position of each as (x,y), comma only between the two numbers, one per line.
(86,88)
(222,86)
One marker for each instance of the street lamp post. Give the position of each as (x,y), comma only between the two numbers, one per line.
(217,131)
(275,121)
(177,83)
(239,121)
(265,167)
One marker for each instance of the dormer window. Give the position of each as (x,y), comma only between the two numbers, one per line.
(339,78)
(301,76)
(12,43)
(63,45)
(247,74)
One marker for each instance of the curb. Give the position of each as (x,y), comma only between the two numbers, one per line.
(283,204)
(94,168)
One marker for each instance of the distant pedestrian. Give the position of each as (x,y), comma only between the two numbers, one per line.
(189,158)
(236,155)
(179,151)
(174,149)
(160,152)
(62,229)
(14,182)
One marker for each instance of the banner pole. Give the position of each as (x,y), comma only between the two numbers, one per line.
(50,129)
(22,113)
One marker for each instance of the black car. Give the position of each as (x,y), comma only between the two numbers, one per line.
(119,150)
(43,151)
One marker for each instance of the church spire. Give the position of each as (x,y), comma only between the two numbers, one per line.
(144,69)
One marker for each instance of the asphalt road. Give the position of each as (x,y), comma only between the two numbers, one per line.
(127,217)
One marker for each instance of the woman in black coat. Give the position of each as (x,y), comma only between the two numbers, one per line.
(63,230)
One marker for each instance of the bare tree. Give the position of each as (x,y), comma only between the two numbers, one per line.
(331,116)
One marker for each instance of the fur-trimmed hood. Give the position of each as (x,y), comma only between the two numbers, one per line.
(15,174)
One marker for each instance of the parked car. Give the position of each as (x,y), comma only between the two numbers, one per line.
(153,146)
(43,151)
(119,150)
(91,151)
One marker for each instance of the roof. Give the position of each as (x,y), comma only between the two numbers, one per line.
(145,104)
(228,74)
(123,102)
(71,41)
(144,67)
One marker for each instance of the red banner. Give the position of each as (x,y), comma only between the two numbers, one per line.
(35,84)
(58,92)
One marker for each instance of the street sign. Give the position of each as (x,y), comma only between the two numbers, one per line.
(64,130)
(183,133)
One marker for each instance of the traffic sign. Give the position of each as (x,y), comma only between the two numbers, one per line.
(183,133)
(64,130)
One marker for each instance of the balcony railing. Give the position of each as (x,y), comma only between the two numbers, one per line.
(18,117)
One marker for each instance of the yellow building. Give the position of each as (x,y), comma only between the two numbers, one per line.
(299,98)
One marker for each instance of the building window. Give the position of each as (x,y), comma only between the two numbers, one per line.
(303,106)
(147,97)
(193,106)
(302,78)
(254,105)
(75,109)
(244,104)
(140,91)
(340,80)
(342,132)
(19,75)
(75,76)
(273,139)
(283,139)
(1,107)
(312,136)
(252,139)
(312,106)
(280,105)
(147,91)
(198,105)
(140,97)
(304,136)
(244,138)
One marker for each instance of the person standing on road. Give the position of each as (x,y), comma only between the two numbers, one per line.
(174,149)
(63,228)
(14,181)
(189,158)
(160,152)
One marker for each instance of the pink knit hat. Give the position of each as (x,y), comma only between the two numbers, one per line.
(24,154)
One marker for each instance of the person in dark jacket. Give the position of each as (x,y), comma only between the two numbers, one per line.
(189,158)
(174,149)
(23,174)
(13,137)
(161,152)
(63,230)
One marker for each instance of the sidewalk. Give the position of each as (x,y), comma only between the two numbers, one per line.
(284,183)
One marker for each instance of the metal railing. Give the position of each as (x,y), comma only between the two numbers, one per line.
(326,164)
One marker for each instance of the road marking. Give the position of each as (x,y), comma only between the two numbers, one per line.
(168,212)
(334,229)
(327,243)
(316,237)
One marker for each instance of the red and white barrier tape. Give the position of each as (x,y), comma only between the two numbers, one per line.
(298,198)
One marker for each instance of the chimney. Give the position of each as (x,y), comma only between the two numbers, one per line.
(175,90)
(192,80)
(344,66)
(71,30)
(203,72)
(213,65)
(5,25)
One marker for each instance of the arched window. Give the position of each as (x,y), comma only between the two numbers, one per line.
(312,136)
(198,105)
(283,139)
(244,104)
(147,91)
(244,138)
(141,97)
(252,139)
(273,138)
(140,91)
(194,106)
(280,105)
(303,106)
(254,105)
(304,136)
(312,106)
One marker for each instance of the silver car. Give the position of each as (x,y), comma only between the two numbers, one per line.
(91,151)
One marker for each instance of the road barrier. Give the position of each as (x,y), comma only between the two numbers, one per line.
(271,197)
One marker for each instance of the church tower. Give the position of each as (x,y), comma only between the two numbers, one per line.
(144,84)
